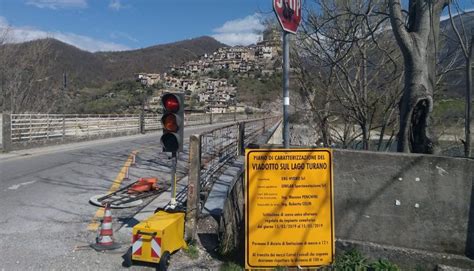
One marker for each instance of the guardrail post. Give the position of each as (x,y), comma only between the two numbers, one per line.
(76,128)
(47,127)
(241,139)
(6,132)
(64,127)
(98,125)
(31,128)
(194,186)
(142,122)
(88,124)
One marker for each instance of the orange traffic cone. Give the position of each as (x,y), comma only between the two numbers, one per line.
(105,239)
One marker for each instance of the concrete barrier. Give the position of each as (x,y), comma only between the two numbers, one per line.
(414,201)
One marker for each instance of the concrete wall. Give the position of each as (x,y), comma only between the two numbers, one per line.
(413,201)
(412,209)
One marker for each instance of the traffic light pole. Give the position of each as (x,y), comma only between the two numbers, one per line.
(174,162)
(286,86)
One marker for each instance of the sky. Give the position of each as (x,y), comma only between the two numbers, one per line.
(115,25)
(112,25)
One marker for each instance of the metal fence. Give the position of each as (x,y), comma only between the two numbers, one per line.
(36,129)
(211,150)
(33,127)
(152,121)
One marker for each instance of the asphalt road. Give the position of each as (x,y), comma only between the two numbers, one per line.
(44,194)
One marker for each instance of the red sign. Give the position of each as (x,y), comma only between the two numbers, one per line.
(288,13)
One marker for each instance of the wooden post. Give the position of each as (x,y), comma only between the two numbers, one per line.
(194,186)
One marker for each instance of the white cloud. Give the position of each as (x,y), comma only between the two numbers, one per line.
(243,31)
(58,4)
(115,5)
(122,35)
(21,34)
(237,38)
(455,13)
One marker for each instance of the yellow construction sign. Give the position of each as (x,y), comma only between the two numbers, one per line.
(289,208)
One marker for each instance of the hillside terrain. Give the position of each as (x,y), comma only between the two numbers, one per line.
(43,74)
(35,70)
(451,57)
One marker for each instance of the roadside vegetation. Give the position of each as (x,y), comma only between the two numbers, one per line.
(354,260)
(351,260)
(192,251)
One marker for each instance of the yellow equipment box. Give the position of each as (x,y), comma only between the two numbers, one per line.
(155,238)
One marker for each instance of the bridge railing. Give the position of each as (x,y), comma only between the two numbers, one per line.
(33,127)
(152,121)
(210,151)
(25,130)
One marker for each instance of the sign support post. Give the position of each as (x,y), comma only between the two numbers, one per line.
(286,87)
(288,13)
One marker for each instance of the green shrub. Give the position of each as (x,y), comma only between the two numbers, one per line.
(230,266)
(351,260)
(192,251)
(383,265)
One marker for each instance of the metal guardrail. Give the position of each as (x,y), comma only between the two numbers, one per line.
(222,144)
(152,121)
(26,129)
(210,151)
(30,127)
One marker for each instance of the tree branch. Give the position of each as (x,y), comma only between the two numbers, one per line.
(399,29)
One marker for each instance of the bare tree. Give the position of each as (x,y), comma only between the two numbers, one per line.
(348,40)
(315,84)
(26,86)
(465,40)
(417,36)
(3,97)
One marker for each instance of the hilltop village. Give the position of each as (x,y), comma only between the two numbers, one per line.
(207,82)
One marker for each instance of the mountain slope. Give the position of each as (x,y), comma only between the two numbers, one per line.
(451,56)
(156,59)
(33,71)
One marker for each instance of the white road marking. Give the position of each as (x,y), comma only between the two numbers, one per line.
(16,186)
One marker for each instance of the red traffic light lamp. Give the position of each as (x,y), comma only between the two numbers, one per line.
(171,102)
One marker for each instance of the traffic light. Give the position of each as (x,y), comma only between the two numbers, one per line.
(172,122)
